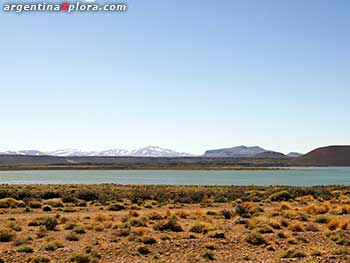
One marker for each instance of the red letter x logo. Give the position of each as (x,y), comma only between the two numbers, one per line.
(64,6)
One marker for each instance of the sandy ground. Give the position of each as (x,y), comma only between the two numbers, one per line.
(101,239)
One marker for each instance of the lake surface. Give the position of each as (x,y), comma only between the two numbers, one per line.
(291,176)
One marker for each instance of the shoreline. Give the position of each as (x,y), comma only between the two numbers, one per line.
(97,168)
(139,169)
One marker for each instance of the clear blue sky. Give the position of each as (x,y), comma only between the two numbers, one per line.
(189,75)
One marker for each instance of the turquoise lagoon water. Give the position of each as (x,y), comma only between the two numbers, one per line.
(300,176)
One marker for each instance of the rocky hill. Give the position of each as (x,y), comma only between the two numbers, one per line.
(235,152)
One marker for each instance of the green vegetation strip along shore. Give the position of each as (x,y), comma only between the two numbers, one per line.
(166,194)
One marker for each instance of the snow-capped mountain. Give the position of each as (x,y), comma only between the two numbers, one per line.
(77,152)
(69,152)
(112,152)
(155,151)
(150,151)
(24,152)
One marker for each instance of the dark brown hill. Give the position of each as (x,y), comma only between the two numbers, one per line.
(325,156)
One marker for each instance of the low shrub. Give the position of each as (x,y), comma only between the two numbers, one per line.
(47,208)
(201,228)
(284,223)
(49,222)
(72,237)
(292,241)
(54,203)
(281,235)
(343,225)
(228,214)
(284,206)
(6,234)
(345,210)
(165,237)
(35,204)
(124,232)
(260,224)
(216,234)
(154,216)
(10,203)
(70,226)
(25,249)
(341,252)
(143,250)
(69,210)
(322,219)
(134,213)
(183,213)
(209,255)
(274,224)
(138,221)
(69,199)
(209,245)
(281,196)
(211,213)
(255,238)
(24,240)
(242,211)
(340,237)
(333,224)
(311,227)
(171,224)
(42,232)
(115,207)
(15,227)
(296,227)
(140,231)
(53,246)
(39,259)
(314,209)
(316,253)
(78,229)
(293,254)
(149,240)
(84,258)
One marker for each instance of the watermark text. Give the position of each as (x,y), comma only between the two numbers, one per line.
(64,7)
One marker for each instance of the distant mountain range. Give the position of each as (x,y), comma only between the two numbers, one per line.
(155,151)
(325,156)
(150,151)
